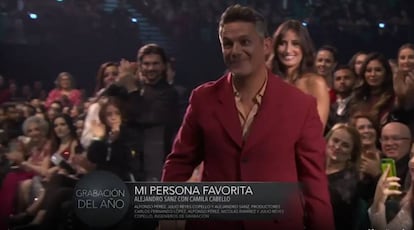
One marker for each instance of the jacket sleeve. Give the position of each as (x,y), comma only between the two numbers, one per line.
(310,157)
(186,150)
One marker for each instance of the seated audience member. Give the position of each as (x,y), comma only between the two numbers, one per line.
(38,91)
(396,140)
(376,94)
(343,84)
(343,151)
(370,155)
(13,123)
(355,64)
(36,163)
(59,178)
(395,213)
(404,83)
(53,111)
(325,62)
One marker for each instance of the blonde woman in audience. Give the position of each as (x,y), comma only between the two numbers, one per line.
(65,91)
(293,60)
(343,151)
(36,150)
(406,57)
(404,79)
(404,82)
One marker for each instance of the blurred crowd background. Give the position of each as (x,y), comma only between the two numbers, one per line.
(40,38)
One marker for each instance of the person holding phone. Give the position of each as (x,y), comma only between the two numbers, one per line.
(396,140)
(390,186)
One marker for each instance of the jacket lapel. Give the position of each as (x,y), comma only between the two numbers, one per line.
(268,114)
(227,113)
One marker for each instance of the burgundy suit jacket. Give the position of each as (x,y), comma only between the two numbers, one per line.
(285,144)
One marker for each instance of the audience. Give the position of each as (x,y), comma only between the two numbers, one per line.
(128,124)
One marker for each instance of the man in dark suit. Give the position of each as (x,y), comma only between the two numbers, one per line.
(343,84)
(251,126)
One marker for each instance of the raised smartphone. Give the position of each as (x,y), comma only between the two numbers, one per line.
(391,162)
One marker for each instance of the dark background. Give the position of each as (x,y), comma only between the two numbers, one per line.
(65,39)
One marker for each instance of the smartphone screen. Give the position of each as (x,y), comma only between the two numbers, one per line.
(393,169)
(56,159)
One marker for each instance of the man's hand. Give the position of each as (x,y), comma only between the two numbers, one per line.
(126,69)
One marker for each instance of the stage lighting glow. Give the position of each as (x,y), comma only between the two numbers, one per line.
(33,16)
(381,25)
(304,24)
(134,20)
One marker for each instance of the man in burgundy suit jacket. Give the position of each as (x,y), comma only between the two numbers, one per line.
(251,126)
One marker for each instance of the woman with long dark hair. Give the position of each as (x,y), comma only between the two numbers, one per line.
(376,95)
(343,151)
(293,60)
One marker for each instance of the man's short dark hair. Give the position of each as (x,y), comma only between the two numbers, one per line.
(237,13)
(331,49)
(152,49)
(344,67)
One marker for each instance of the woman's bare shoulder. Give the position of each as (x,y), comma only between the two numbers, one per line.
(312,82)
(313,79)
